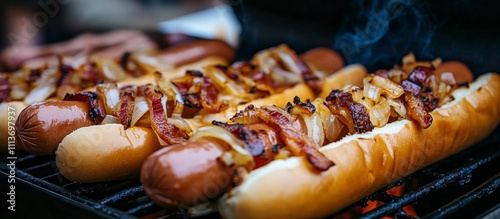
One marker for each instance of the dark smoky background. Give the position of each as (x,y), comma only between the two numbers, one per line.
(378,33)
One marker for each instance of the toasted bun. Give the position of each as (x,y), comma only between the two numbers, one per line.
(13,108)
(364,163)
(349,75)
(105,152)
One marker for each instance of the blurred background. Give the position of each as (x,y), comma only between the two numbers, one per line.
(375,33)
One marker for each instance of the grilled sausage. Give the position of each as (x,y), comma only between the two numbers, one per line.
(190,173)
(41,126)
(187,173)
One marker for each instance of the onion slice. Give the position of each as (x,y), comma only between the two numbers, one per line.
(238,154)
(110,93)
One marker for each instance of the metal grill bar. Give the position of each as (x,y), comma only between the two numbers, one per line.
(126,198)
(483,190)
(452,176)
(129,194)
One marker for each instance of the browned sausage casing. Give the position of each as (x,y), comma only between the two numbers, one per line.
(194,51)
(186,174)
(42,126)
(190,173)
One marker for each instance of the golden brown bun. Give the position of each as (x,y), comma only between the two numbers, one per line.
(352,74)
(105,152)
(366,162)
(14,107)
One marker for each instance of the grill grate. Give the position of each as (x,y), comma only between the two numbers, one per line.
(465,183)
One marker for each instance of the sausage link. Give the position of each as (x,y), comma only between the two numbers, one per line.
(41,126)
(185,174)
(194,51)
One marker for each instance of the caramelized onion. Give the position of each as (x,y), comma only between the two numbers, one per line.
(171,92)
(109,119)
(379,113)
(110,94)
(40,93)
(390,88)
(45,86)
(237,156)
(331,124)
(314,127)
(372,92)
(110,69)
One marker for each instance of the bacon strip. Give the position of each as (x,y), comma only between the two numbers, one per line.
(208,96)
(169,133)
(311,80)
(263,82)
(4,89)
(126,106)
(358,112)
(416,110)
(96,113)
(253,142)
(411,87)
(300,107)
(199,93)
(419,74)
(298,142)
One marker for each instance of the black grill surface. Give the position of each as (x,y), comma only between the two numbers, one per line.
(464,185)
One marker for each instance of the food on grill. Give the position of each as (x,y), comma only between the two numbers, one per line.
(68,68)
(312,158)
(213,91)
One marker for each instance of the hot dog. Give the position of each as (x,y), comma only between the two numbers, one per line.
(53,122)
(179,126)
(371,155)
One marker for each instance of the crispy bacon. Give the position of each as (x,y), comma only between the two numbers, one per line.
(382,73)
(96,113)
(253,142)
(416,110)
(90,72)
(4,89)
(208,96)
(126,106)
(300,107)
(358,112)
(169,133)
(297,141)
(260,141)
(419,74)
(198,91)
(65,71)
(411,87)
(260,78)
(309,77)
(34,75)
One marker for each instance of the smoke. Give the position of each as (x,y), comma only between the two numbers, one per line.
(383,29)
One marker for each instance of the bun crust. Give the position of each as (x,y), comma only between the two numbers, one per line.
(15,108)
(364,163)
(107,152)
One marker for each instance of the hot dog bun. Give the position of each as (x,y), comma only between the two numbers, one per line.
(15,107)
(105,152)
(68,147)
(366,162)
